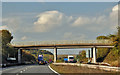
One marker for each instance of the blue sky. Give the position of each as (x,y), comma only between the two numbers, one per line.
(70,8)
(59,0)
(40,21)
(23,16)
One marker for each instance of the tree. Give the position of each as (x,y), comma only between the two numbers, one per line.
(6,37)
(102,37)
(118,31)
(118,37)
(102,53)
(82,56)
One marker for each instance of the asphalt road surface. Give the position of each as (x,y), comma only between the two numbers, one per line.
(28,70)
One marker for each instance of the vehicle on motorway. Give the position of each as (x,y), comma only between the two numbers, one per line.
(46,62)
(50,61)
(69,59)
(41,60)
(66,60)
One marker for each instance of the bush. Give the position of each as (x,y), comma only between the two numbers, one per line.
(113,58)
(26,56)
(60,60)
(102,53)
(82,56)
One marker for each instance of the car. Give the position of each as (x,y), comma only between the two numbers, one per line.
(69,59)
(41,62)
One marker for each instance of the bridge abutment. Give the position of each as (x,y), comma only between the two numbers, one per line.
(55,55)
(88,55)
(93,54)
(19,56)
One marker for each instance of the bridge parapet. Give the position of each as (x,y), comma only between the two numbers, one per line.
(63,42)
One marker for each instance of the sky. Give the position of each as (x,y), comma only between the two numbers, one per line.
(41,21)
(59,0)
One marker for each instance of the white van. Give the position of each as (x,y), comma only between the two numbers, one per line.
(70,58)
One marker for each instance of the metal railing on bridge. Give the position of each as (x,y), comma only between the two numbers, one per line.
(61,42)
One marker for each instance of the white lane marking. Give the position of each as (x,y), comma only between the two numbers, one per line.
(53,70)
(10,68)
(20,71)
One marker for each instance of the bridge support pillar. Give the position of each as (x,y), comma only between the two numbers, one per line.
(55,55)
(91,52)
(19,56)
(88,55)
(94,55)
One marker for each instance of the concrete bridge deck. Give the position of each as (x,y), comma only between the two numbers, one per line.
(64,44)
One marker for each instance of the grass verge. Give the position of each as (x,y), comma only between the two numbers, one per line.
(69,69)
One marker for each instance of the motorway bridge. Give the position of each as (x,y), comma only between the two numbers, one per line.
(63,44)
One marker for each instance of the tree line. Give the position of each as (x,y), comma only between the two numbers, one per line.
(8,50)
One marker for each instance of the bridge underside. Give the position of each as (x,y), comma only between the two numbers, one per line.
(63,46)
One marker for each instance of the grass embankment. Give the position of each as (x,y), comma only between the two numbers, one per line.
(113,58)
(69,69)
(110,56)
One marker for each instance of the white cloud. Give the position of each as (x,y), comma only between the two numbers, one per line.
(51,19)
(67,35)
(98,23)
(11,23)
(114,12)
(3,27)
(48,20)
(114,17)
(70,35)
(92,23)
(115,8)
(24,38)
(81,21)
(0,20)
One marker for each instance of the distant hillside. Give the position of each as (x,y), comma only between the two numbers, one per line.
(46,54)
(41,52)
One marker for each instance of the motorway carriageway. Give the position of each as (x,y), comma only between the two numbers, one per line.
(27,70)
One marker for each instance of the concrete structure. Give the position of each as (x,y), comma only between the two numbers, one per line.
(93,44)
(88,55)
(55,54)
(94,55)
(19,56)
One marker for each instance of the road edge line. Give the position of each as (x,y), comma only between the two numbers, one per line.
(53,70)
